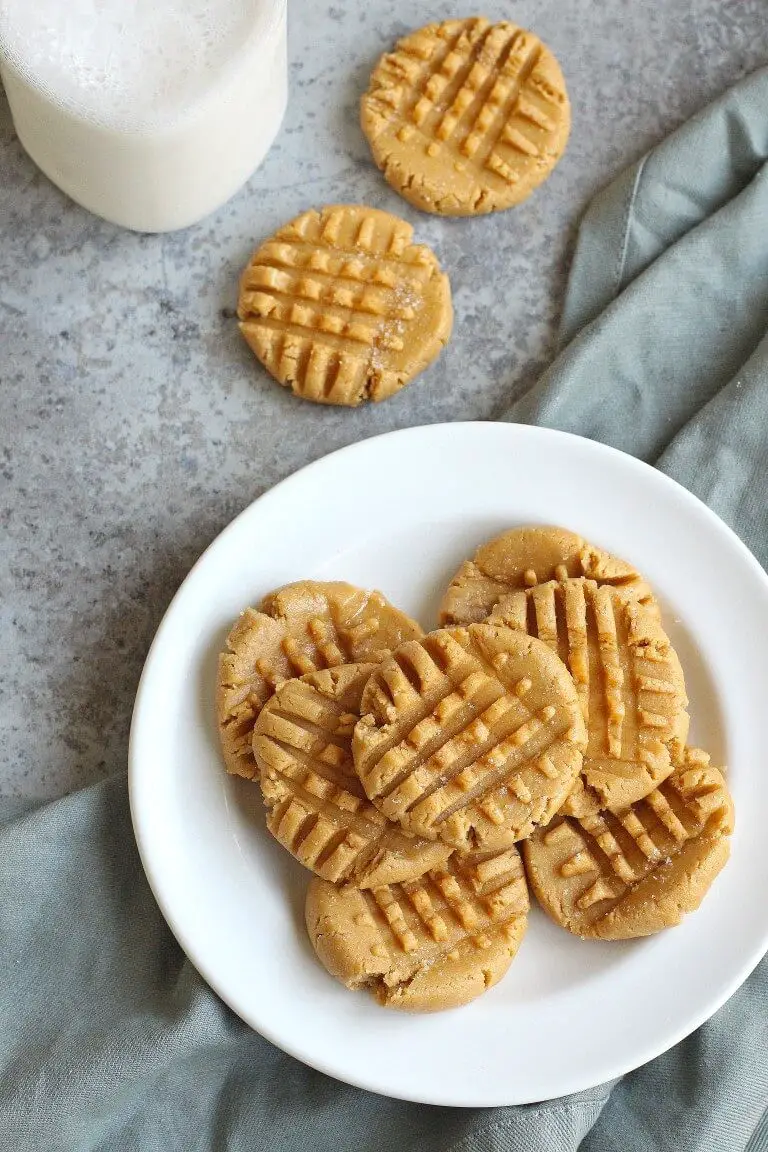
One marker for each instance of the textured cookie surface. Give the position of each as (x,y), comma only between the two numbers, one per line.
(471,735)
(433,943)
(298,629)
(341,307)
(317,808)
(466,117)
(634,872)
(628,678)
(526,556)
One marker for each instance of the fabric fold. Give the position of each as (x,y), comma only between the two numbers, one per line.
(685,179)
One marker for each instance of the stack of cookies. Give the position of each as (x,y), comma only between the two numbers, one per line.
(407,771)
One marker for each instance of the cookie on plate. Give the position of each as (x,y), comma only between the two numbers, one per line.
(628,678)
(526,556)
(317,809)
(466,117)
(341,306)
(433,943)
(297,629)
(631,873)
(471,735)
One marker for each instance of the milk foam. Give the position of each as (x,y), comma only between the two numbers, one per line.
(126,62)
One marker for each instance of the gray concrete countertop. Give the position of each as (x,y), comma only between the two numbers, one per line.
(135,423)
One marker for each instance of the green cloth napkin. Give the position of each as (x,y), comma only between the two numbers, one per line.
(111,1042)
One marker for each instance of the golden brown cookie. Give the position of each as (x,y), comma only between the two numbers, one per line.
(341,306)
(524,557)
(298,629)
(433,943)
(628,678)
(466,117)
(470,735)
(632,873)
(317,808)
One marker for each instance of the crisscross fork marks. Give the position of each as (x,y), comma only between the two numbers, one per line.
(349,626)
(322,647)
(458,723)
(463,99)
(335,296)
(332,726)
(436,702)
(351,309)
(576,620)
(455,725)
(440,119)
(316,806)
(315,838)
(495,780)
(332,264)
(470,129)
(434,913)
(333,842)
(403,86)
(299,629)
(304,653)
(608,857)
(448,749)
(289,759)
(354,231)
(343,838)
(627,677)
(435,941)
(493,126)
(302,744)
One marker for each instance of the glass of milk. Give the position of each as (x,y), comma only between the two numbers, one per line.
(150,113)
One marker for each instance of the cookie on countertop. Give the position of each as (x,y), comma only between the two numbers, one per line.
(466,117)
(526,556)
(615,876)
(628,678)
(429,944)
(341,306)
(300,628)
(317,809)
(471,735)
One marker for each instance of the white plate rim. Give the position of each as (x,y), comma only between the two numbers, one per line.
(579,1080)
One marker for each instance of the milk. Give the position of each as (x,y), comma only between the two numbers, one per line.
(151,113)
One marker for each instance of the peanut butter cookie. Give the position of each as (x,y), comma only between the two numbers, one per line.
(466,117)
(298,629)
(639,870)
(472,735)
(428,944)
(317,808)
(628,678)
(524,557)
(341,306)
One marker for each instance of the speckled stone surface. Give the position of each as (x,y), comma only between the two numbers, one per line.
(134,422)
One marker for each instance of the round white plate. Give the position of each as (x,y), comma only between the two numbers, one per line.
(400,512)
